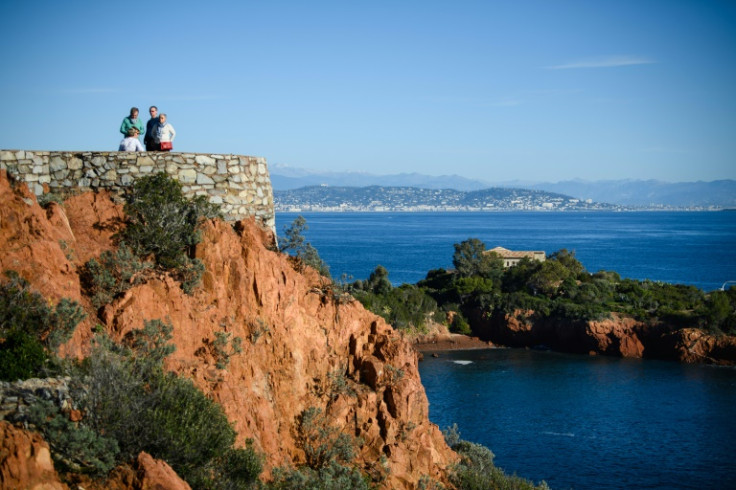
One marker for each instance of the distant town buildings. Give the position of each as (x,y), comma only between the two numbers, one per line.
(412,199)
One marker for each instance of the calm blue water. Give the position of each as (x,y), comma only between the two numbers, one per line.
(575,421)
(591,422)
(677,247)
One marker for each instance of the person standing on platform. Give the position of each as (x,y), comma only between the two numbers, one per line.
(148,139)
(164,134)
(131,121)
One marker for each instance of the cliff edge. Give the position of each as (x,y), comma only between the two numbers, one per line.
(303,345)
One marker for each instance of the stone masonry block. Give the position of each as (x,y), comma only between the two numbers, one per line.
(204,160)
(187,176)
(203,179)
(56,164)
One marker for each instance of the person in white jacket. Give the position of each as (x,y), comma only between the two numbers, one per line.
(131,142)
(163,133)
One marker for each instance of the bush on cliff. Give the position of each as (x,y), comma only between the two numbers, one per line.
(406,307)
(162,223)
(129,397)
(111,275)
(74,448)
(718,312)
(304,254)
(476,470)
(31,330)
(328,454)
(131,404)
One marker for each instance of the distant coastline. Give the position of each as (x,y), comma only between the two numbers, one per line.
(622,209)
(329,199)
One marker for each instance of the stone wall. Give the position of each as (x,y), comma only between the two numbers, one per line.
(240,184)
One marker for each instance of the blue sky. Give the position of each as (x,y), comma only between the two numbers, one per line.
(495,90)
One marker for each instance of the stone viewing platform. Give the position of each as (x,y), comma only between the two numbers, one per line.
(241,185)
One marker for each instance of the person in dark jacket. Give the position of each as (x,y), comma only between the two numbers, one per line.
(148,139)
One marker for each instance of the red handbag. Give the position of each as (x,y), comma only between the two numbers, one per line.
(166,145)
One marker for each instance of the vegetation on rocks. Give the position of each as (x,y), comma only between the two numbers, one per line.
(406,307)
(161,231)
(31,330)
(476,470)
(329,454)
(559,288)
(112,274)
(131,404)
(302,252)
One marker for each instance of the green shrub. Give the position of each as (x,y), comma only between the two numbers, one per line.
(321,442)
(31,330)
(406,307)
(44,200)
(333,476)
(189,273)
(460,325)
(476,470)
(328,453)
(151,343)
(21,356)
(74,447)
(130,398)
(62,322)
(111,275)
(304,254)
(238,468)
(224,348)
(162,223)
(339,384)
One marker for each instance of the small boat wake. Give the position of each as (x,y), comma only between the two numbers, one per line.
(558,434)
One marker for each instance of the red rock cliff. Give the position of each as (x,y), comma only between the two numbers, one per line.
(297,338)
(615,336)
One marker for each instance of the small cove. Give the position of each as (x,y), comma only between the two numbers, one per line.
(590,422)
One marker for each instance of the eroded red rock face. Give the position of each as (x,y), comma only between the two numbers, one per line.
(302,346)
(298,342)
(25,461)
(615,336)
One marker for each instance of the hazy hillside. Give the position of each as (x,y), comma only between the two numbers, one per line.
(650,193)
(286,178)
(382,198)
(721,193)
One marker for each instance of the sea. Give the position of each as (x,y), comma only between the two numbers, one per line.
(577,422)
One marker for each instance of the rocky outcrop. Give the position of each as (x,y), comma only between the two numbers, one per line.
(25,461)
(693,345)
(303,346)
(615,336)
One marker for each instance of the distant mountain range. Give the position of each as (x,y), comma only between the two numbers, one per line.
(286,178)
(636,193)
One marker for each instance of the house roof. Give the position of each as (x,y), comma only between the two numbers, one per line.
(515,254)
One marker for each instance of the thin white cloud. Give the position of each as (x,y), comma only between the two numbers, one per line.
(604,62)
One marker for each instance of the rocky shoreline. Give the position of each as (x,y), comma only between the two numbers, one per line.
(450,342)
